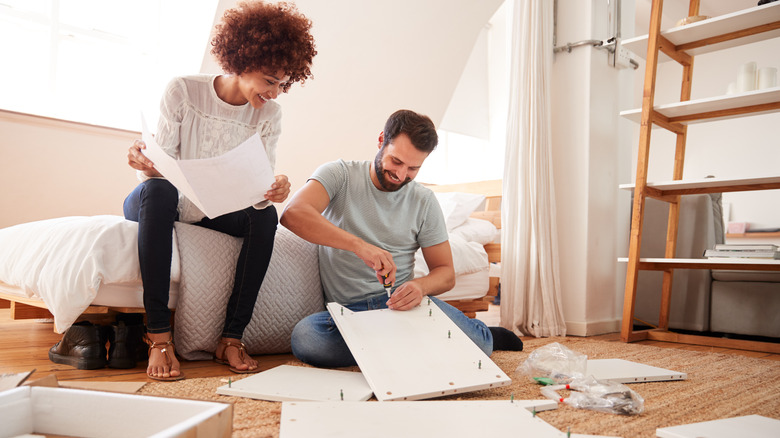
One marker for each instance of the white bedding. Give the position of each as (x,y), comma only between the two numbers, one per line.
(472,269)
(64,261)
(468,286)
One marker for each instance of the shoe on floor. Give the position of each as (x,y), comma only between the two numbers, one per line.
(82,346)
(126,345)
(504,339)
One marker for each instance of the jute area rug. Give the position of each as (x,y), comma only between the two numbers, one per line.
(718,386)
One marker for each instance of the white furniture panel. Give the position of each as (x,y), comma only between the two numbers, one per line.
(291,383)
(753,426)
(625,371)
(413,419)
(415,354)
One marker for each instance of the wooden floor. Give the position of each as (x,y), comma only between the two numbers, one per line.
(24,346)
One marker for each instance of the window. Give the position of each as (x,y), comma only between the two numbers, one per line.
(98,62)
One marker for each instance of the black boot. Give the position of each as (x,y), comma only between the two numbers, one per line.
(82,346)
(127,345)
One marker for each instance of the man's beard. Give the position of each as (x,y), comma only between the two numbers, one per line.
(386,183)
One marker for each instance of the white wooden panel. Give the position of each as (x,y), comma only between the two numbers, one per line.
(415,354)
(715,261)
(412,419)
(705,183)
(625,371)
(709,104)
(291,383)
(715,26)
(753,426)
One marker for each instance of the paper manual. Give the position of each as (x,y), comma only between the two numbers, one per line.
(219,185)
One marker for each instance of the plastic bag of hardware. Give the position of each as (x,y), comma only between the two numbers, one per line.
(554,363)
(598,395)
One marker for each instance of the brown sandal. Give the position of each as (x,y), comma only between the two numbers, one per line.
(242,354)
(163,347)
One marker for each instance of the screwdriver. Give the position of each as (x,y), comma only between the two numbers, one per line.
(387,286)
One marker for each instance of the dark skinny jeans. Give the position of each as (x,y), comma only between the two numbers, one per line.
(153,204)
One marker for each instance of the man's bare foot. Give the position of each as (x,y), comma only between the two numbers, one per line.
(232,352)
(163,364)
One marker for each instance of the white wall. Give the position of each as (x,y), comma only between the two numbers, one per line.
(589,161)
(51,168)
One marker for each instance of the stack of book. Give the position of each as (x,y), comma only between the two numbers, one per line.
(756,251)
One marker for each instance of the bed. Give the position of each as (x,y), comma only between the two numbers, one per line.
(83,267)
(473,215)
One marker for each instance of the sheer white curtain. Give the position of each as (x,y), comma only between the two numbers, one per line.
(530,282)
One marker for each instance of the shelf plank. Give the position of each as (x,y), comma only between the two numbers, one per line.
(708,185)
(764,15)
(755,234)
(737,344)
(736,264)
(715,108)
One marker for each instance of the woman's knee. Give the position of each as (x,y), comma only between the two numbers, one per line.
(160,191)
(262,224)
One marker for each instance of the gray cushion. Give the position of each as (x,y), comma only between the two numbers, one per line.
(291,291)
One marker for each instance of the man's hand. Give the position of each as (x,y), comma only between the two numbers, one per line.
(406,297)
(379,260)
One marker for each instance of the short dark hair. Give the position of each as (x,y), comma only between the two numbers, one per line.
(258,36)
(418,127)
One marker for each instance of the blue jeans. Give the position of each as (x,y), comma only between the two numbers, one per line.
(316,339)
(153,204)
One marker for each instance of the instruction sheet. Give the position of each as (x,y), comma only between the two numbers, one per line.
(219,185)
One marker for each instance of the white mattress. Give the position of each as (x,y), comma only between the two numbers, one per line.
(468,286)
(129,295)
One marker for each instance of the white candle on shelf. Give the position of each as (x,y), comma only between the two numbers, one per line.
(767,77)
(746,79)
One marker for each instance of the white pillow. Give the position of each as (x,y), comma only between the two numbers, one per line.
(457,207)
(467,257)
(476,230)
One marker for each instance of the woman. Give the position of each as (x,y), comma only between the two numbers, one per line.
(263,49)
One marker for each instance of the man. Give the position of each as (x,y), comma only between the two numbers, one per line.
(369,219)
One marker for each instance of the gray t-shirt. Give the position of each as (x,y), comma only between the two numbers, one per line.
(399,222)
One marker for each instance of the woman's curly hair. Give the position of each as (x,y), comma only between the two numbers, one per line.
(258,36)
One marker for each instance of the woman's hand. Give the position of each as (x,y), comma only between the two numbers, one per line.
(279,190)
(138,161)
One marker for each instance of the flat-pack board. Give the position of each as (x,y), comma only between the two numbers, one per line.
(625,371)
(415,354)
(292,383)
(415,419)
(75,412)
(753,426)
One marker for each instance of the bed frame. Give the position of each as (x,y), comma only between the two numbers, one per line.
(492,212)
(32,308)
